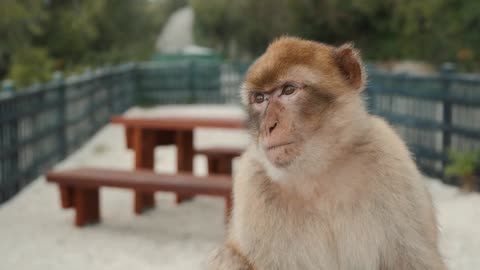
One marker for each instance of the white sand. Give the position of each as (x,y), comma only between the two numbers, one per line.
(36,234)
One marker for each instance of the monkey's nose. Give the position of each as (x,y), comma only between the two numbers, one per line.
(272,127)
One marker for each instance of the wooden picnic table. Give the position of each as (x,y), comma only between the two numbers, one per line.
(143,134)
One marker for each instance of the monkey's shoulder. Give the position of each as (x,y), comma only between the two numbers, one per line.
(385,152)
(386,136)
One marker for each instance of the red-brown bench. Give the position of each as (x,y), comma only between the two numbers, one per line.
(220,158)
(79,188)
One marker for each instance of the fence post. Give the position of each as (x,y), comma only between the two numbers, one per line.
(89,81)
(132,76)
(103,76)
(62,121)
(191,80)
(136,75)
(446,73)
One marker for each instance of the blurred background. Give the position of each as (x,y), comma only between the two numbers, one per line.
(68,66)
(40,37)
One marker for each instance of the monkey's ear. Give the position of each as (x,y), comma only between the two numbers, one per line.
(350,64)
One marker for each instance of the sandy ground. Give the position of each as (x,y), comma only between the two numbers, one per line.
(36,234)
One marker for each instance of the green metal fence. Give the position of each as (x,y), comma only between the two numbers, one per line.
(433,114)
(179,82)
(43,124)
(183,82)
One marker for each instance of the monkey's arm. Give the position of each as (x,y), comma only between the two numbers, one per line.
(228,257)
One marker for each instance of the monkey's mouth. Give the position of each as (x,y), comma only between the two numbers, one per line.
(281,154)
(277,145)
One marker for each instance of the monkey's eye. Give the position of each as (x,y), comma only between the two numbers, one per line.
(258,97)
(288,89)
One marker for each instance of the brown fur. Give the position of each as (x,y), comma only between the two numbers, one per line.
(344,194)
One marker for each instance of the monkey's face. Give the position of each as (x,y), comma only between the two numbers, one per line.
(290,90)
(280,118)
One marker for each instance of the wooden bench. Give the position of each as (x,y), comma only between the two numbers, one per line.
(79,188)
(220,159)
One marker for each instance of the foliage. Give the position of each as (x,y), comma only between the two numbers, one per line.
(463,164)
(31,65)
(247,24)
(20,20)
(38,37)
(75,34)
(432,30)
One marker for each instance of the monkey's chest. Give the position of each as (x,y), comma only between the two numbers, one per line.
(302,240)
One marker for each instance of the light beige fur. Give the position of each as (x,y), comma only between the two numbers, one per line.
(352,199)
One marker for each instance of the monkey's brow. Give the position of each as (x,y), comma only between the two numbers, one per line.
(294,83)
(276,86)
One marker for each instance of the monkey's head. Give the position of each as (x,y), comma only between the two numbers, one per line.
(296,95)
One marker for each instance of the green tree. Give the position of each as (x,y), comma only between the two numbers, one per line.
(38,37)
(439,30)
(431,30)
(20,23)
(31,65)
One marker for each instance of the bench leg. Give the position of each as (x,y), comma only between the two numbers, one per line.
(212,165)
(143,142)
(185,154)
(225,166)
(66,196)
(87,206)
(143,201)
(219,166)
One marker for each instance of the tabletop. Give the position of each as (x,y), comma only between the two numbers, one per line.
(180,123)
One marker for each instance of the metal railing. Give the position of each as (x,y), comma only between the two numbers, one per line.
(42,124)
(434,114)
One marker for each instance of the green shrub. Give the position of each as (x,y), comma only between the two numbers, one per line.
(30,65)
(462,164)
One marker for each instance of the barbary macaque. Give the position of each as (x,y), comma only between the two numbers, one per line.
(323,184)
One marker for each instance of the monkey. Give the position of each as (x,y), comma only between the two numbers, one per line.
(323,184)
